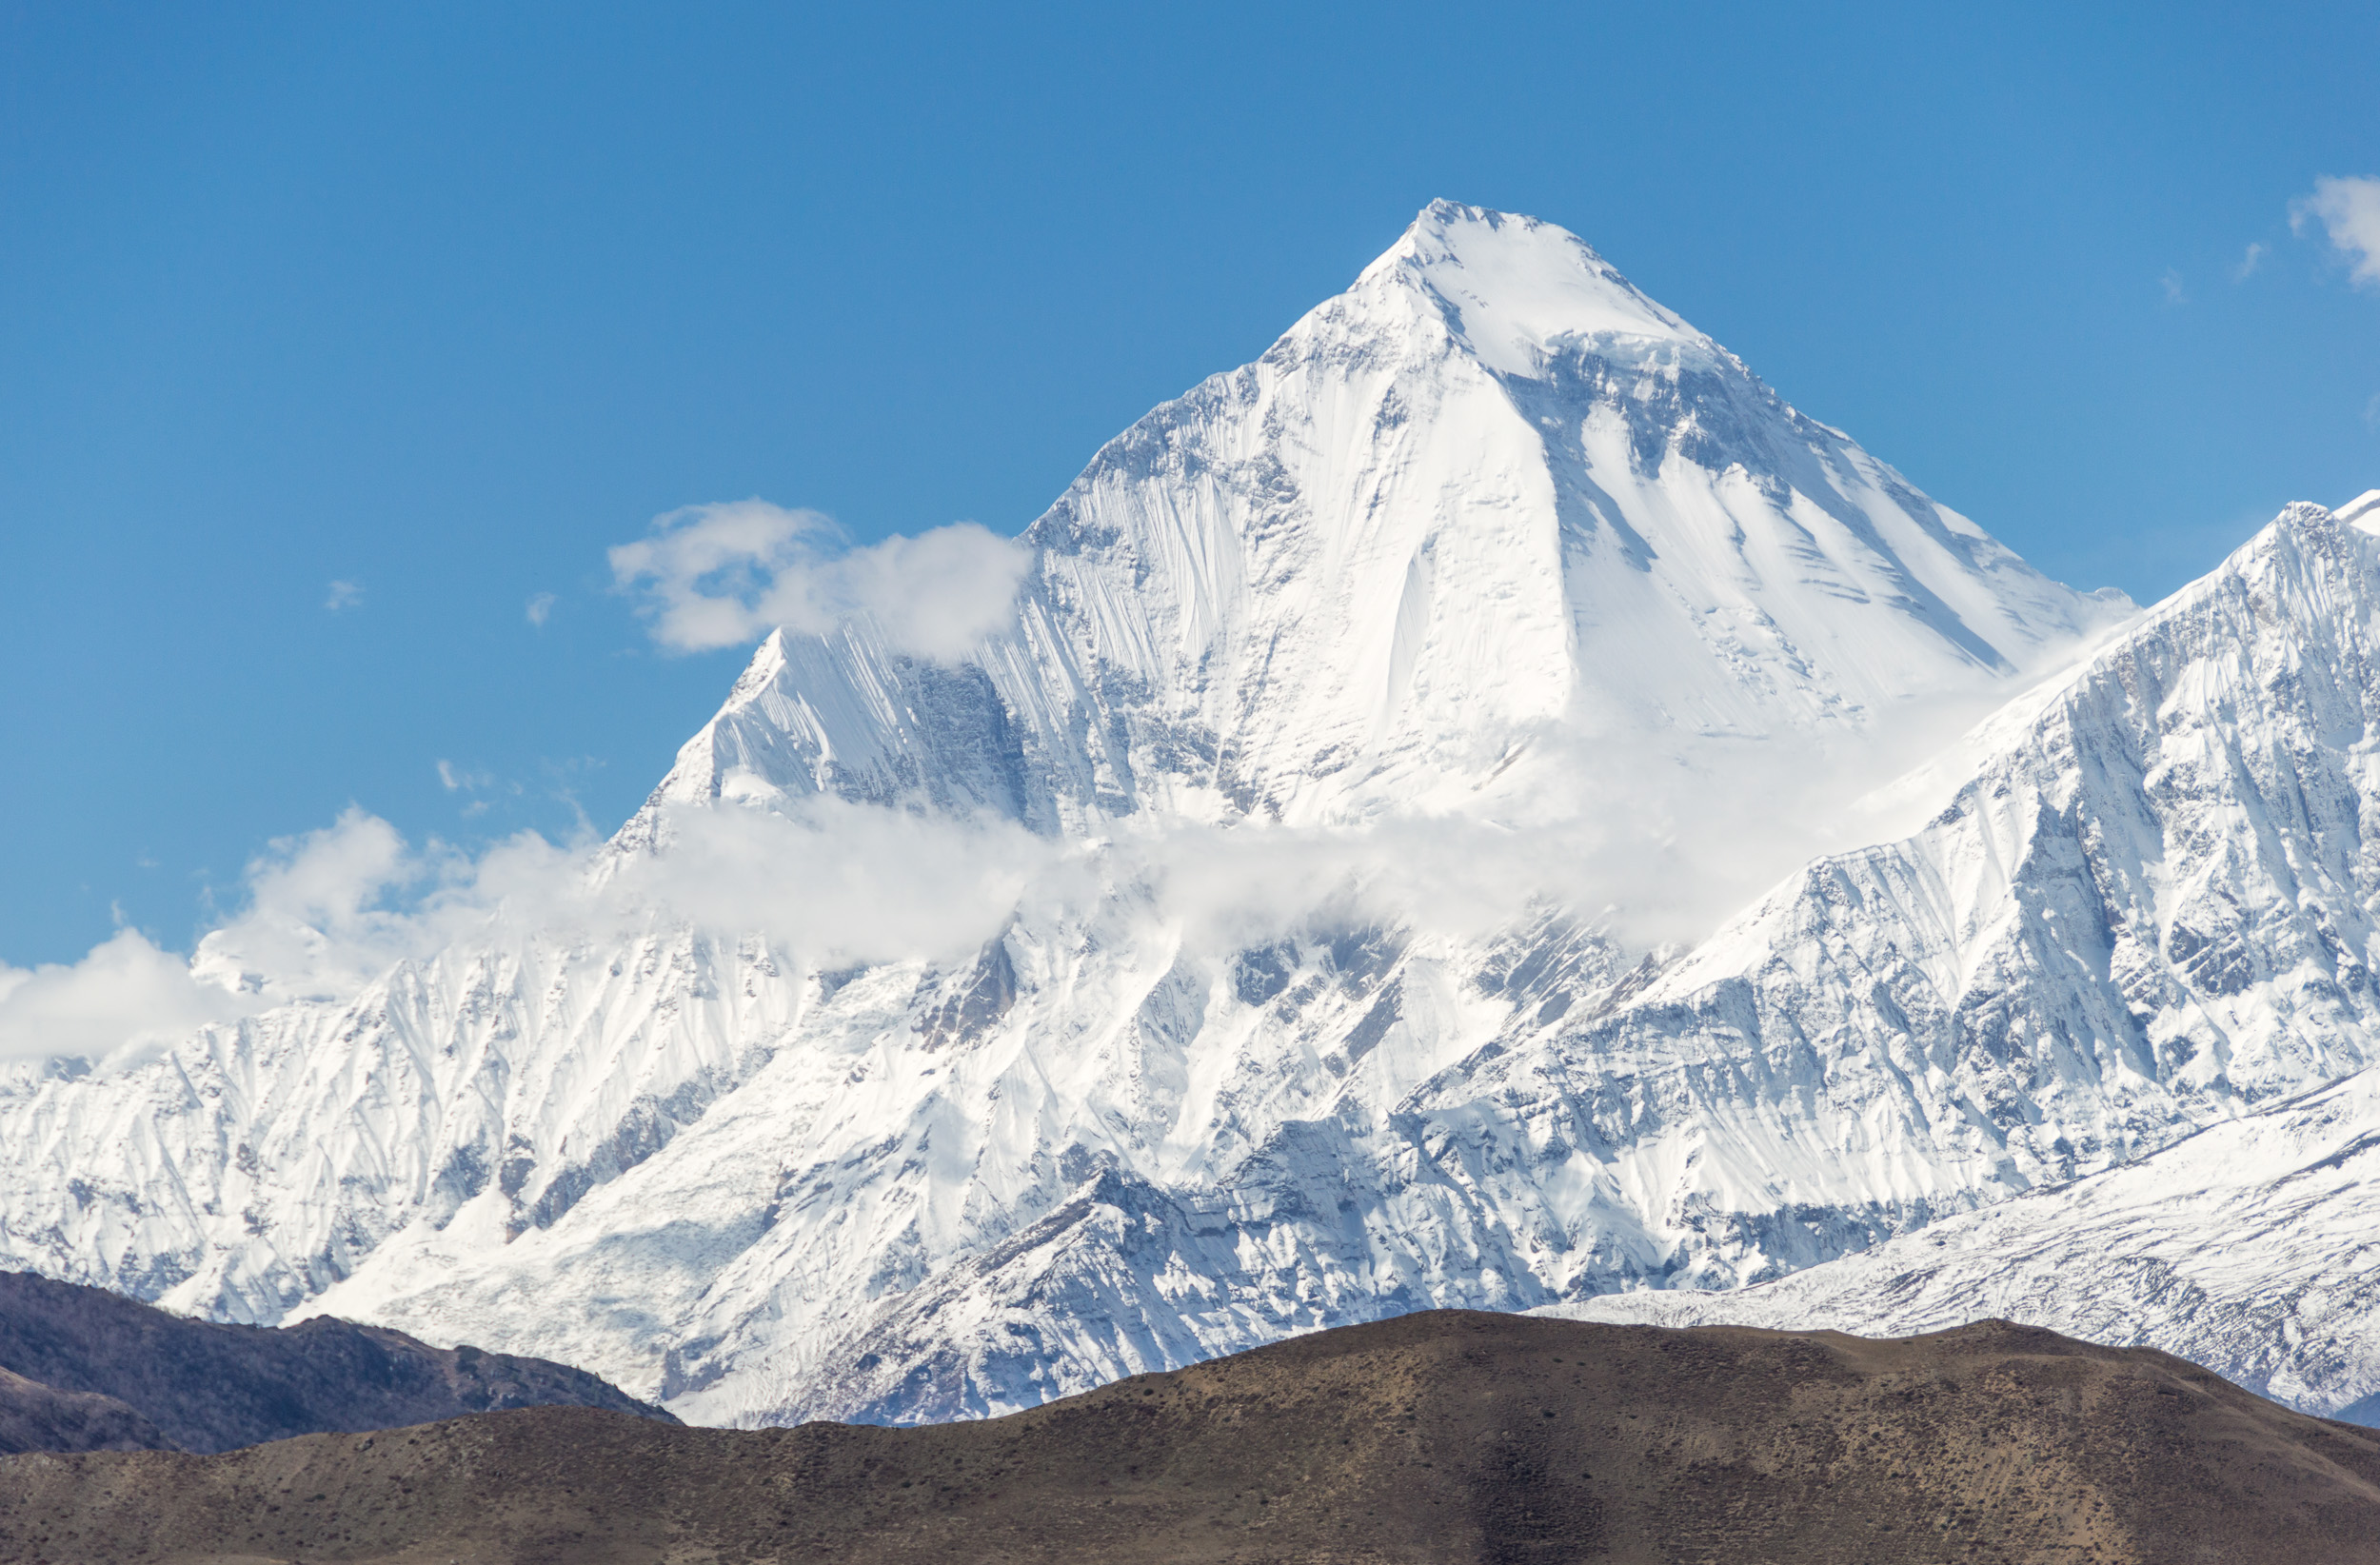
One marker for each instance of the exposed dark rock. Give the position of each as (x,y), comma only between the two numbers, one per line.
(38,1418)
(969,1015)
(199,1386)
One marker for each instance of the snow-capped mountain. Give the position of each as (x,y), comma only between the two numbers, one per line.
(1491,520)
(1489,561)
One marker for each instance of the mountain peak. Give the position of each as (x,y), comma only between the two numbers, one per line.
(1517,287)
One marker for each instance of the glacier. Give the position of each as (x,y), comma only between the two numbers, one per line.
(1529,816)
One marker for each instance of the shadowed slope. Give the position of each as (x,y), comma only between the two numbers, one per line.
(1447,1436)
(200,1386)
(38,1418)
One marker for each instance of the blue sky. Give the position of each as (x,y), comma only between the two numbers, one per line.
(441,302)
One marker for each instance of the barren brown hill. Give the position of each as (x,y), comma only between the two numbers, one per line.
(1440,1438)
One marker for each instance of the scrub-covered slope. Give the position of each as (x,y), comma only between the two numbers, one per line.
(38,1418)
(1445,1439)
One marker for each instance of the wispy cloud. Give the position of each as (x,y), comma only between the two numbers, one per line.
(2174,293)
(711,576)
(318,924)
(2349,211)
(344,596)
(465,780)
(2372,413)
(538,610)
(2248,262)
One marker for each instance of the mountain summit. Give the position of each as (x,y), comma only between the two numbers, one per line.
(1517,292)
(1491,514)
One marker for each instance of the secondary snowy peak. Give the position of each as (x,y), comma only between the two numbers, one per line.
(843,715)
(1492,516)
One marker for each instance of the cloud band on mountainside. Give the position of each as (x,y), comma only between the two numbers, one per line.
(835,883)
(125,994)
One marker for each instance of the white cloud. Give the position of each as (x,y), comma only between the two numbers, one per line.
(2350,213)
(538,610)
(2248,262)
(345,595)
(319,919)
(848,882)
(2174,293)
(125,993)
(459,780)
(711,576)
(327,912)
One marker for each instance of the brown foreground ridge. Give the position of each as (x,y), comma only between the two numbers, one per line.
(1442,1438)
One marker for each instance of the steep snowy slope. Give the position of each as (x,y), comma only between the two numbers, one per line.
(2253,1248)
(2151,904)
(1488,548)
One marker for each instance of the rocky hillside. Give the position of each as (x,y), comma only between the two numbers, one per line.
(1448,1438)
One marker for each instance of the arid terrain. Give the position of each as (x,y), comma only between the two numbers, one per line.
(1445,1437)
